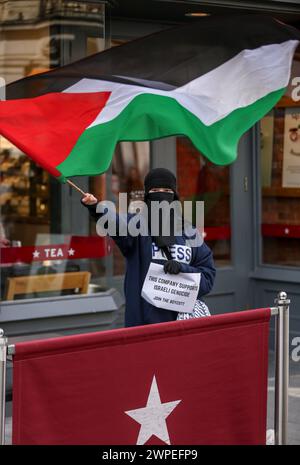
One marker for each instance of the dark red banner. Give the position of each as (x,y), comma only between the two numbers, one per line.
(77,247)
(217,233)
(281,230)
(198,381)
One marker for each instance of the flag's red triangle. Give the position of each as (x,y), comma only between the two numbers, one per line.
(46,128)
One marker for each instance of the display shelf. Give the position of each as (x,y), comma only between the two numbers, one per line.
(24,195)
(280,192)
(25,219)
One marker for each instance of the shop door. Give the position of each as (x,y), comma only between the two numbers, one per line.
(277,195)
(252,212)
(227,192)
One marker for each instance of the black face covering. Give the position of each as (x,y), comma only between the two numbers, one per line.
(159,177)
(162,240)
(160,196)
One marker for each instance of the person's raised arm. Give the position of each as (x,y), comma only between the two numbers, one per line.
(90,201)
(124,242)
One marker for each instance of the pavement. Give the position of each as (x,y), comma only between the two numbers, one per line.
(294,400)
(294,404)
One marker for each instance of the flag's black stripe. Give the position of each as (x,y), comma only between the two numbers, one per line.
(174,56)
(146,83)
(40,84)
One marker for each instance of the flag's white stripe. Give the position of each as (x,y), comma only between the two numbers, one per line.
(123,94)
(239,82)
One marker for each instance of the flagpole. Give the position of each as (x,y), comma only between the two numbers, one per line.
(72,184)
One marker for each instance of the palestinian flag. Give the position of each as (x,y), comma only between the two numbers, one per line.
(210,81)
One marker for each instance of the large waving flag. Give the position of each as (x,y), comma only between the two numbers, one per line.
(210,81)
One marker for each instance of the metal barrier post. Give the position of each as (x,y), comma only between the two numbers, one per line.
(3,350)
(282,369)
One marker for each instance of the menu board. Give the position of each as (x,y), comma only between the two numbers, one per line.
(291,148)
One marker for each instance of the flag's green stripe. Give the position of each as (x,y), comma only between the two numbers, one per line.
(150,116)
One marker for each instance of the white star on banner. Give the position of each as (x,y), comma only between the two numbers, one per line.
(152,418)
(36,254)
(71,251)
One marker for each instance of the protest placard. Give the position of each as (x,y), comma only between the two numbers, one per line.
(171,292)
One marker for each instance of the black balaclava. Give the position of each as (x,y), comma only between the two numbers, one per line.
(161,177)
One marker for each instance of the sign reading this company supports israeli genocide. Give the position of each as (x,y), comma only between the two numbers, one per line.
(177,293)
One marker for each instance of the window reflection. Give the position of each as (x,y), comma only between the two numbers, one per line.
(280,167)
(280,178)
(131,162)
(199,179)
(36,236)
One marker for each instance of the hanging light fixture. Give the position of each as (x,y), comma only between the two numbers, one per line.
(196,14)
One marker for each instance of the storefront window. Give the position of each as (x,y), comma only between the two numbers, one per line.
(37,221)
(199,179)
(280,179)
(131,162)
(280,167)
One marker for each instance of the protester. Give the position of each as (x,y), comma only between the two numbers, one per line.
(172,251)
